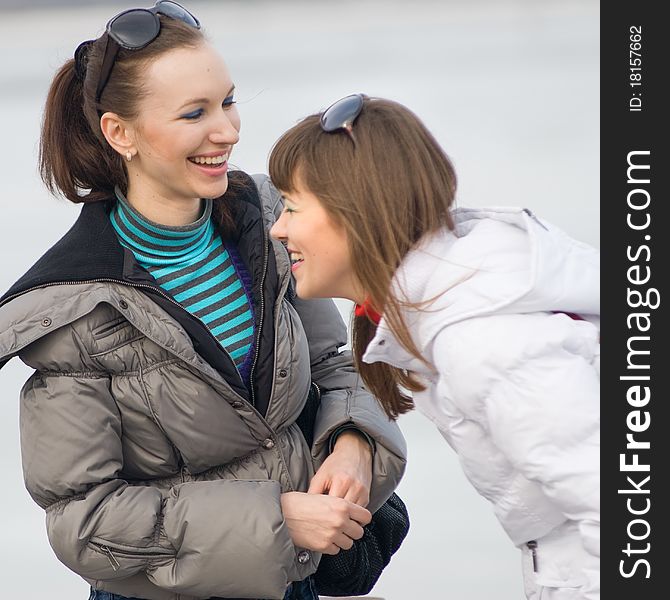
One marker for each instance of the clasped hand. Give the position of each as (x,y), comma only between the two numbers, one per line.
(331,515)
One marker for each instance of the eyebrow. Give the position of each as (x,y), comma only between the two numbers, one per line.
(203,100)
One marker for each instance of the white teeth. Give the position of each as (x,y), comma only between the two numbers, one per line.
(296,257)
(210,160)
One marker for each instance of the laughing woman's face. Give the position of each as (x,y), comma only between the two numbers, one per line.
(320,258)
(186,129)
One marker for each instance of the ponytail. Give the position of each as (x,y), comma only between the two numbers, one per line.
(75,159)
(72,160)
(384,381)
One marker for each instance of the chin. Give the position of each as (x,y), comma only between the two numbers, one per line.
(214,191)
(304,292)
(307,293)
(303,295)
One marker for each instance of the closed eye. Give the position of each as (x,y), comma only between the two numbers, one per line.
(193,115)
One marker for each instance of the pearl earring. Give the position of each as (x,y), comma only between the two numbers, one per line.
(129,156)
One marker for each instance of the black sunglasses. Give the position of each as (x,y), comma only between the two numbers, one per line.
(134,29)
(342,114)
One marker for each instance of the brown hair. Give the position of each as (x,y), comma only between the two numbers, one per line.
(389,189)
(74,157)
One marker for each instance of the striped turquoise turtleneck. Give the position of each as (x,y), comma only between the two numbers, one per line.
(194,266)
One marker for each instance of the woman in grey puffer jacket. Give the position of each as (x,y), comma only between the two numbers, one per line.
(165,452)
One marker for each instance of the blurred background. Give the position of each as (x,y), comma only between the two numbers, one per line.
(510,88)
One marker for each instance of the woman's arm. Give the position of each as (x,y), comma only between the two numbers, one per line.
(203,539)
(345,402)
(347,472)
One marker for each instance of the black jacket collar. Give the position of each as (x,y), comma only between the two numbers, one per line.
(90,251)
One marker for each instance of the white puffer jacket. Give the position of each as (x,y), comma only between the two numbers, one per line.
(516,391)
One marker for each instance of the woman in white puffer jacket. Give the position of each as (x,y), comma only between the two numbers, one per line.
(489,316)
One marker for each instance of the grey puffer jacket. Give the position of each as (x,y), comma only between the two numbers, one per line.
(159,471)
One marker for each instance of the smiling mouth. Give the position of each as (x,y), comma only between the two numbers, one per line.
(209,161)
(296,259)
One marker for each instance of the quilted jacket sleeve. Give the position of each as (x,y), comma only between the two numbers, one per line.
(182,536)
(344,400)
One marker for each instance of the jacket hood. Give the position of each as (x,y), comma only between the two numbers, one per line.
(89,250)
(498,260)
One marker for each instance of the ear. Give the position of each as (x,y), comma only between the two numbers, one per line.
(119,134)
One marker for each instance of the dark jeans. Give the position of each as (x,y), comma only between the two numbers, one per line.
(298,590)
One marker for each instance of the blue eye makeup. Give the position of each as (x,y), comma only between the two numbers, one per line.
(194,114)
(199,112)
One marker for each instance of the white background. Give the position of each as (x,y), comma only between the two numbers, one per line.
(509,88)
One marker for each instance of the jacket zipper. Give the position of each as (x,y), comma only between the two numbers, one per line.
(260,320)
(155,289)
(532,216)
(173,301)
(136,553)
(532,546)
(112,559)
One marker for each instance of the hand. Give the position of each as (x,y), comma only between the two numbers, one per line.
(323,523)
(347,472)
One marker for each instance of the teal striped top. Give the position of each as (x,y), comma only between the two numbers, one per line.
(195,267)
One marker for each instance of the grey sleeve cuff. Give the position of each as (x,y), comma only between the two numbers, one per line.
(349,427)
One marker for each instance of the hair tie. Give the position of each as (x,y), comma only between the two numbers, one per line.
(366,310)
(81,59)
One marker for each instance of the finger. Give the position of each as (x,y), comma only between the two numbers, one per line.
(331,549)
(360,514)
(339,487)
(343,541)
(353,531)
(318,485)
(357,494)
(363,498)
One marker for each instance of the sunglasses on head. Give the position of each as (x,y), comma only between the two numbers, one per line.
(134,29)
(342,114)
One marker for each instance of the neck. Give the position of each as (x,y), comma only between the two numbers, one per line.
(161,219)
(173,212)
(356,293)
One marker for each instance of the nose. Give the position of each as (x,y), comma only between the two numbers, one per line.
(226,129)
(278,230)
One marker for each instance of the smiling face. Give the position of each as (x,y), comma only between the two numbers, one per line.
(183,136)
(320,258)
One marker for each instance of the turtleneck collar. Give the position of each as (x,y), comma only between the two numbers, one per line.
(154,243)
